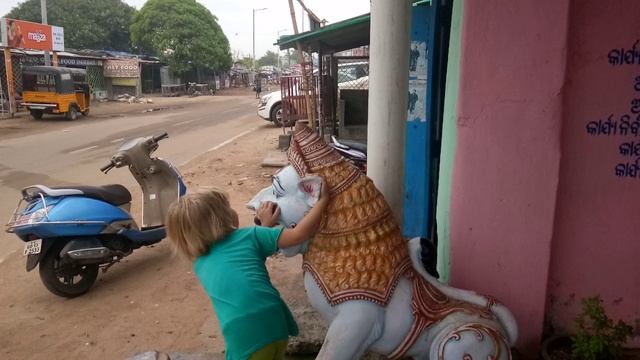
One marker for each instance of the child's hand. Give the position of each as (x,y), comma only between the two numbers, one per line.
(268,213)
(324,193)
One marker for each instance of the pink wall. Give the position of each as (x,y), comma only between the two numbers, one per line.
(539,217)
(508,153)
(596,242)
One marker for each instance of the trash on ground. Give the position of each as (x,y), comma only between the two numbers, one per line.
(132,99)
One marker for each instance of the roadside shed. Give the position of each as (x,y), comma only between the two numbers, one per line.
(342,81)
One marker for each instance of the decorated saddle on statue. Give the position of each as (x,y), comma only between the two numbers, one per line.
(359,256)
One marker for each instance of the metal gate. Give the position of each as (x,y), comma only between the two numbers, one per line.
(294,106)
(17,64)
(95,78)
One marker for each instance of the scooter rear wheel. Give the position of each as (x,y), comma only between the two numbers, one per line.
(63,278)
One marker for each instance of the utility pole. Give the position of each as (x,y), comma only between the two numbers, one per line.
(43,12)
(279,64)
(306,81)
(254,36)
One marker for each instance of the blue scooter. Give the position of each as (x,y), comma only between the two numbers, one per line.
(73,231)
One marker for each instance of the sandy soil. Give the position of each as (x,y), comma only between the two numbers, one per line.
(22,123)
(152,299)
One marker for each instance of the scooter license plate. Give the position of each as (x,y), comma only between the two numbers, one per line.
(32,247)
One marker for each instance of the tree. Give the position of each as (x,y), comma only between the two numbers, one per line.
(291,57)
(247,61)
(270,58)
(88,24)
(183,33)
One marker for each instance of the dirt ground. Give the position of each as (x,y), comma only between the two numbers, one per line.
(151,300)
(22,122)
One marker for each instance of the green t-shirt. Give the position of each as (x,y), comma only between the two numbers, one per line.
(249,309)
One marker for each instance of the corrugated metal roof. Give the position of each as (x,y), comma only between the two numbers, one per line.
(343,35)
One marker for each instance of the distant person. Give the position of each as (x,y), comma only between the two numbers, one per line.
(413,99)
(230,263)
(413,58)
(258,88)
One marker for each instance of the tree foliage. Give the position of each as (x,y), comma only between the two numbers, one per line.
(247,61)
(598,336)
(183,33)
(88,24)
(291,57)
(270,58)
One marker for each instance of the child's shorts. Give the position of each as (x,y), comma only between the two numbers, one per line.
(273,351)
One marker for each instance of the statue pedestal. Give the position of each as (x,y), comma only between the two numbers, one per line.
(284,141)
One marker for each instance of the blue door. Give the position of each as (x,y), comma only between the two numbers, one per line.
(430,25)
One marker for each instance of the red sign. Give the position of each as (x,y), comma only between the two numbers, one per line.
(28,35)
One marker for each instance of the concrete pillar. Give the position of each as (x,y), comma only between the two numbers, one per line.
(388,86)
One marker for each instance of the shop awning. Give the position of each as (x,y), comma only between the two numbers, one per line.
(340,36)
(343,35)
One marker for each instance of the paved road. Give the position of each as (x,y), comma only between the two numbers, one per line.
(74,154)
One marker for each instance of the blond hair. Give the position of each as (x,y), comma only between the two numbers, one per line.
(197,221)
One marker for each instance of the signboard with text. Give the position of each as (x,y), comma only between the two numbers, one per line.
(121,68)
(28,35)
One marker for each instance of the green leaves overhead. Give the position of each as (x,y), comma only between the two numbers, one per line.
(270,58)
(88,24)
(183,33)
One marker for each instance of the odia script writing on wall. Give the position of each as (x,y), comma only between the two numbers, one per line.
(625,125)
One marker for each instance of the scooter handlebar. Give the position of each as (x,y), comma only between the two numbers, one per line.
(160,137)
(105,169)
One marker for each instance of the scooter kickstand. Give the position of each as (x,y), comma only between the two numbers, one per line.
(105,268)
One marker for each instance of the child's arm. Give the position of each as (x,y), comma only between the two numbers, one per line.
(305,228)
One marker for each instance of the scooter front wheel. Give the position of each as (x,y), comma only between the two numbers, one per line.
(66,279)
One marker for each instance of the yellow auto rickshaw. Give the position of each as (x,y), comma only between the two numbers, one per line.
(55,90)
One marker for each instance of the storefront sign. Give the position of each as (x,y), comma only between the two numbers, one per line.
(57,38)
(64,61)
(121,69)
(80,62)
(28,35)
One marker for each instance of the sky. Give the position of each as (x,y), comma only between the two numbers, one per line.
(235,18)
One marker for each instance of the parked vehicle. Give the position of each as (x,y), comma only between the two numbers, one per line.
(355,152)
(270,108)
(270,105)
(72,231)
(55,90)
(194,89)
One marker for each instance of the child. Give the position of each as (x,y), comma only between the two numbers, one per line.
(230,263)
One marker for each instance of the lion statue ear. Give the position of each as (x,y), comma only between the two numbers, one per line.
(311,185)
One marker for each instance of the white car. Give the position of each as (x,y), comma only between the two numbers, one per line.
(270,105)
(270,108)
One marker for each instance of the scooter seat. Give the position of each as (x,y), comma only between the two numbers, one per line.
(354,145)
(114,194)
(349,144)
